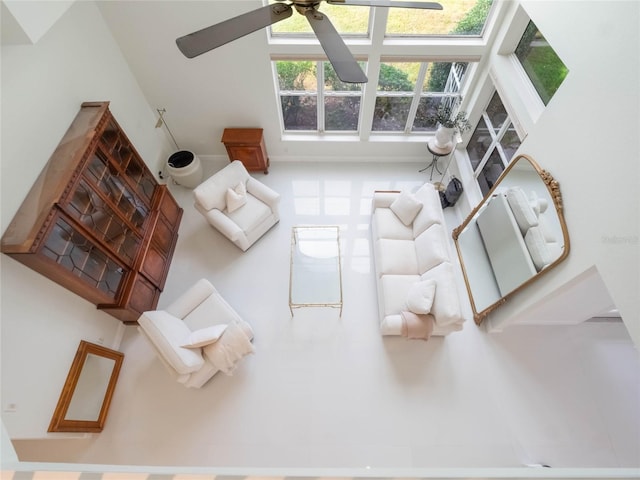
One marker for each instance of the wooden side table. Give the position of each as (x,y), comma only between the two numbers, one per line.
(247,145)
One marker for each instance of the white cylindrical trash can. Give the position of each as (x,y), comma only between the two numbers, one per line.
(185,169)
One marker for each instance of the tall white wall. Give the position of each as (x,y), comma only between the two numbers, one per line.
(587,138)
(43,85)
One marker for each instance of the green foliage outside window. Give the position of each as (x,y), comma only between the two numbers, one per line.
(472,24)
(543,66)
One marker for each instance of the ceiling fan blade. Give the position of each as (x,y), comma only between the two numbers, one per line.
(387,3)
(339,55)
(202,41)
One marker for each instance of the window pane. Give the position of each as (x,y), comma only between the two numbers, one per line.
(341,113)
(299,112)
(490,172)
(541,63)
(496,112)
(298,75)
(458,17)
(510,143)
(427,107)
(441,77)
(479,144)
(346,19)
(333,83)
(391,113)
(398,76)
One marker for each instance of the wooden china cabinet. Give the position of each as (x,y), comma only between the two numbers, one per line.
(96,221)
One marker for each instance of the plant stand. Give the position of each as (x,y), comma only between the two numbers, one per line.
(437,153)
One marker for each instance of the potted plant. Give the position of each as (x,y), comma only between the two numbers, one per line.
(448,123)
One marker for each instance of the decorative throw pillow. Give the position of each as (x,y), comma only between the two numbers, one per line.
(204,336)
(236,197)
(406,207)
(420,296)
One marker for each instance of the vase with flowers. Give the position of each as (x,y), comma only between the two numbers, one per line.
(448,123)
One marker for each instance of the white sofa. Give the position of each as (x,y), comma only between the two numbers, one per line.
(237,205)
(198,335)
(411,255)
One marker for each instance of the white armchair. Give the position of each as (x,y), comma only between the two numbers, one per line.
(236,204)
(198,317)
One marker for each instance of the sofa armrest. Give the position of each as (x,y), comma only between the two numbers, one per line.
(189,300)
(384,198)
(263,192)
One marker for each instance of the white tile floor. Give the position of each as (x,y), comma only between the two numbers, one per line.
(324,391)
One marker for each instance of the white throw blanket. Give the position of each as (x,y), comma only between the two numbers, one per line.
(232,346)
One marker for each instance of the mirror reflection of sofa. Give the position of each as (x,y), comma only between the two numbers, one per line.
(517,237)
(414,274)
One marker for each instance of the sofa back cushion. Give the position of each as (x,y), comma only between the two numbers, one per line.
(431,211)
(431,248)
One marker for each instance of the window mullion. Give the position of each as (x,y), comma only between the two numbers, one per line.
(320,95)
(417,90)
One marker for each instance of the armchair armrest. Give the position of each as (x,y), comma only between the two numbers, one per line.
(190,299)
(167,333)
(384,198)
(221,222)
(262,192)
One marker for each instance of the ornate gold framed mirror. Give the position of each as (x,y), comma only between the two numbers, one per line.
(87,392)
(512,237)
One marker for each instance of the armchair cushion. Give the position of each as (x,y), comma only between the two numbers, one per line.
(251,214)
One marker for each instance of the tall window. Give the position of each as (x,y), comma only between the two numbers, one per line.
(409,94)
(313,98)
(407,91)
(493,144)
(540,62)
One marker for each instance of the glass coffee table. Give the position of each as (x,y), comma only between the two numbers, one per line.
(315,278)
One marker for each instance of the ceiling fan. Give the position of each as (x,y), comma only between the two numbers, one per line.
(341,59)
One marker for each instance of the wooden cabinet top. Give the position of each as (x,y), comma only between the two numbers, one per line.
(54,178)
(249,136)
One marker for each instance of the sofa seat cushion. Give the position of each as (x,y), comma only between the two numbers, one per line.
(396,257)
(431,211)
(446,304)
(388,225)
(431,249)
(395,288)
(250,214)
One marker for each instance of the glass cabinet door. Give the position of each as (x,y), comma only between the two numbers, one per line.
(76,253)
(99,218)
(123,154)
(110,182)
